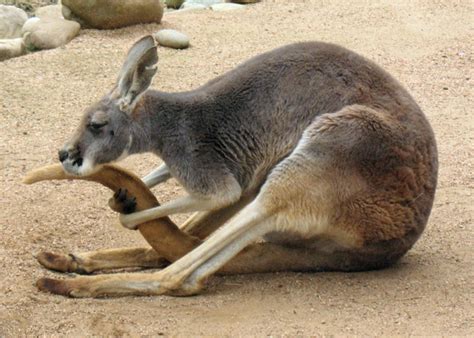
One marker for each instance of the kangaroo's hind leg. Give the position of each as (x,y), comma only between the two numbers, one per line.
(184,276)
(199,225)
(272,257)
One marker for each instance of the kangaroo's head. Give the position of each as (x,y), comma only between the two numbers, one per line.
(105,132)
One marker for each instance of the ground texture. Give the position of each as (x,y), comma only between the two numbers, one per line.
(425,44)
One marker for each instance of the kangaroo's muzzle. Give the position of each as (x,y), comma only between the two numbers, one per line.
(71,159)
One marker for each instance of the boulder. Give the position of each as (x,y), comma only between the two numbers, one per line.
(171,38)
(10,48)
(109,14)
(11,21)
(49,33)
(52,11)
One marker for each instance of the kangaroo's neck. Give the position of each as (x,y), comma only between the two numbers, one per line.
(159,116)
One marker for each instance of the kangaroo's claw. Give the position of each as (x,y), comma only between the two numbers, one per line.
(122,202)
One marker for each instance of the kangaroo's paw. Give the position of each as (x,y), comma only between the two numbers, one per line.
(60,262)
(122,202)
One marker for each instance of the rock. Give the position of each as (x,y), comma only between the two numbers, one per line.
(11,21)
(29,24)
(226,7)
(109,14)
(52,11)
(49,33)
(171,38)
(10,48)
(174,3)
(68,14)
(190,6)
(245,1)
(206,3)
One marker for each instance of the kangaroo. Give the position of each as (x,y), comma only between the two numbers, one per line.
(305,158)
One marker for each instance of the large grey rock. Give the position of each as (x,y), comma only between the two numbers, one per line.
(226,7)
(11,21)
(51,11)
(171,38)
(10,48)
(49,33)
(109,14)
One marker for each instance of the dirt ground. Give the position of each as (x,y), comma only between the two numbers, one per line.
(427,45)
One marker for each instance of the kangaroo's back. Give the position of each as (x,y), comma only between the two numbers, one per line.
(254,115)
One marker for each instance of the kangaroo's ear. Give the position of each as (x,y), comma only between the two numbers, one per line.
(137,72)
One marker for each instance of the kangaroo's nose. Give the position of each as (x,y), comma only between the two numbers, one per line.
(63,155)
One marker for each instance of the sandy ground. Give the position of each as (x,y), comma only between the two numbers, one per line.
(425,44)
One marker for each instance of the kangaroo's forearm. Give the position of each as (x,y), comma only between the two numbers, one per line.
(157,176)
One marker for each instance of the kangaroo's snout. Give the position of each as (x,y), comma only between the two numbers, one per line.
(70,153)
(71,159)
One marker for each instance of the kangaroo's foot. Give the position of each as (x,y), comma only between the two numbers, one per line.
(120,284)
(61,262)
(88,262)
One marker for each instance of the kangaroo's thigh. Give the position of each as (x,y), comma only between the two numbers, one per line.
(307,191)
(340,185)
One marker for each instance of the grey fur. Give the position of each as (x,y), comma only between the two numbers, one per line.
(247,120)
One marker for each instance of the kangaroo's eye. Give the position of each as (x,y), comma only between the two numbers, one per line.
(96,126)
